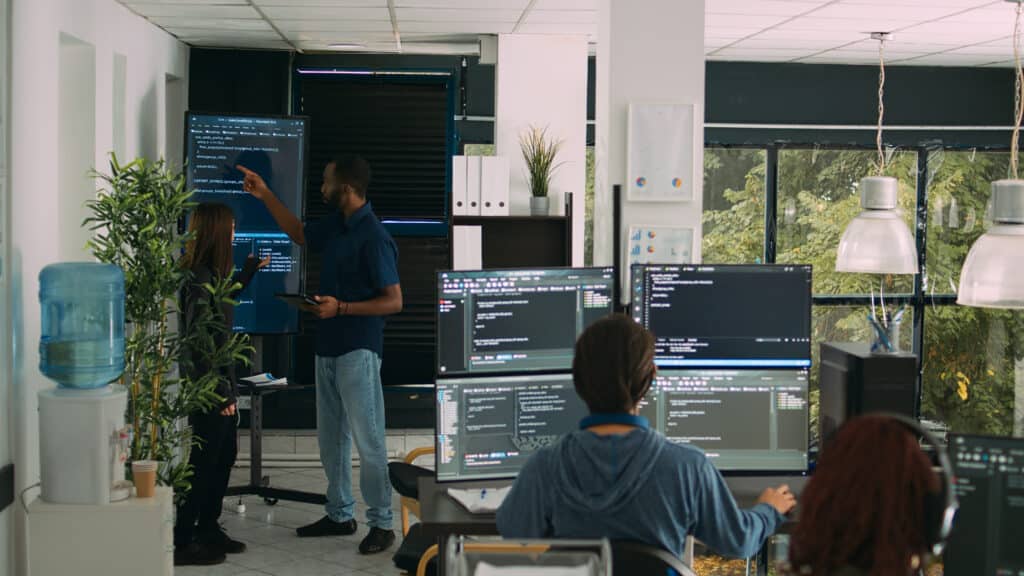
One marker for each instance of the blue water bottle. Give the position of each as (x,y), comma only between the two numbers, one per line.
(81,343)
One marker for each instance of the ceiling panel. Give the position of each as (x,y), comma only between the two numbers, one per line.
(925,32)
(565,5)
(326,13)
(323,3)
(458,27)
(455,15)
(368,26)
(764,7)
(195,10)
(225,26)
(564,17)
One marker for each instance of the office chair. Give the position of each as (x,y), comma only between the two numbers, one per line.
(405,480)
(638,559)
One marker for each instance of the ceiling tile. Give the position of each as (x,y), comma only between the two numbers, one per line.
(748,57)
(241,43)
(454,15)
(773,53)
(948,59)
(887,12)
(223,24)
(742,20)
(189,2)
(326,13)
(217,33)
(519,5)
(323,3)
(334,25)
(194,11)
(809,44)
(458,27)
(563,16)
(529,27)
(730,32)
(762,7)
(339,37)
(565,5)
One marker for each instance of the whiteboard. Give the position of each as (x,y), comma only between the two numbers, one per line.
(659,165)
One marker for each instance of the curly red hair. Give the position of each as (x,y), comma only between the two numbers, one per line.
(864,506)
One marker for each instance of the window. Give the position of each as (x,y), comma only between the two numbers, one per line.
(959,191)
(972,359)
(818,197)
(734,205)
(974,369)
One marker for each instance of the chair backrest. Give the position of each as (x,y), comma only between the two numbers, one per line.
(635,558)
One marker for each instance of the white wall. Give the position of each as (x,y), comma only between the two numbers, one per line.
(541,80)
(38,201)
(648,51)
(6,410)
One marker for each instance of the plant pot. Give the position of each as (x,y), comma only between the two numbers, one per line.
(539,205)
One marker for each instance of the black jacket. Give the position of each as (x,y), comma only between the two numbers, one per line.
(192,295)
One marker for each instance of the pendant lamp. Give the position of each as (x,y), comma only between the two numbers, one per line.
(878,241)
(993,275)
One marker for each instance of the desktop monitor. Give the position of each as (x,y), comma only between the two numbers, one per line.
(275,147)
(745,420)
(488,427)
(517,320)
(720,316)
(989,482)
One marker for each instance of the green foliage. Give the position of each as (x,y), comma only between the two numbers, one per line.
(135,223)
(540,153)
(971,356)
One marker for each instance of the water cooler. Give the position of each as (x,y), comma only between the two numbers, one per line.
(83,439)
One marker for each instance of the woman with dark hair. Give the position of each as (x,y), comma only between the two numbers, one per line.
(208,257)
(863,512)
(616,478)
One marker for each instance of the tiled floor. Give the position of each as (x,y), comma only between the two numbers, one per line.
(275,550)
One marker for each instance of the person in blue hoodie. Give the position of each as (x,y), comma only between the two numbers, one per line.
(616,478)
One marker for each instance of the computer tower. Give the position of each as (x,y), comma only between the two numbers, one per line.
(854,381)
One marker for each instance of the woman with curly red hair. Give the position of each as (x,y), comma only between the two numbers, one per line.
(864,511)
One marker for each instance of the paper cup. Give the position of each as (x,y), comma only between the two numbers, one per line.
(144,474)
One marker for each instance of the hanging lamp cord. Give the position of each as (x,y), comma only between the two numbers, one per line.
(881,104)
(1018,101)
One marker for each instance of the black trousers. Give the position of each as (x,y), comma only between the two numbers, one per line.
(211,462)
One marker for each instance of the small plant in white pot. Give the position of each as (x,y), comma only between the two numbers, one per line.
(540,153)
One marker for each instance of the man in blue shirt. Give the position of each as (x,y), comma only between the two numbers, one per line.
(358,288)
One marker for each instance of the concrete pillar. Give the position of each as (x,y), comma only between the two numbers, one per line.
(648,51)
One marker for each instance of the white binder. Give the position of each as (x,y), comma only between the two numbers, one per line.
(473,185)
(494,185)
(467,248)
(460,203)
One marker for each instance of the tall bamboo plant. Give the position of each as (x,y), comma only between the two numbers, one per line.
(540,153)
(135,220)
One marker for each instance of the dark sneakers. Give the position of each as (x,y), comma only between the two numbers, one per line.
(196,554)
(218,539)
(327,527)
(377,541)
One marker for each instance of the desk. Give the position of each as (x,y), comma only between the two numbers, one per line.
(443,517)
(259,485)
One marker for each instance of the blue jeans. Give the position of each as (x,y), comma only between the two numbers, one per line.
(350,404)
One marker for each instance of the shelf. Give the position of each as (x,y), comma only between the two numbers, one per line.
(471,220)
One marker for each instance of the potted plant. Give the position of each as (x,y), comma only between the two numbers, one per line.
(540,154)
(135,219)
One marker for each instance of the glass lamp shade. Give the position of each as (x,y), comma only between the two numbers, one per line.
(877,241)
(993,275)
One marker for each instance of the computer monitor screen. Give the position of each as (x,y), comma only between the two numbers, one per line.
(986,537)
(517,320)
(487,427)
(726,316)
(744,420)
(276,149)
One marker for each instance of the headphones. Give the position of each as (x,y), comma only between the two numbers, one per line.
(939,508)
